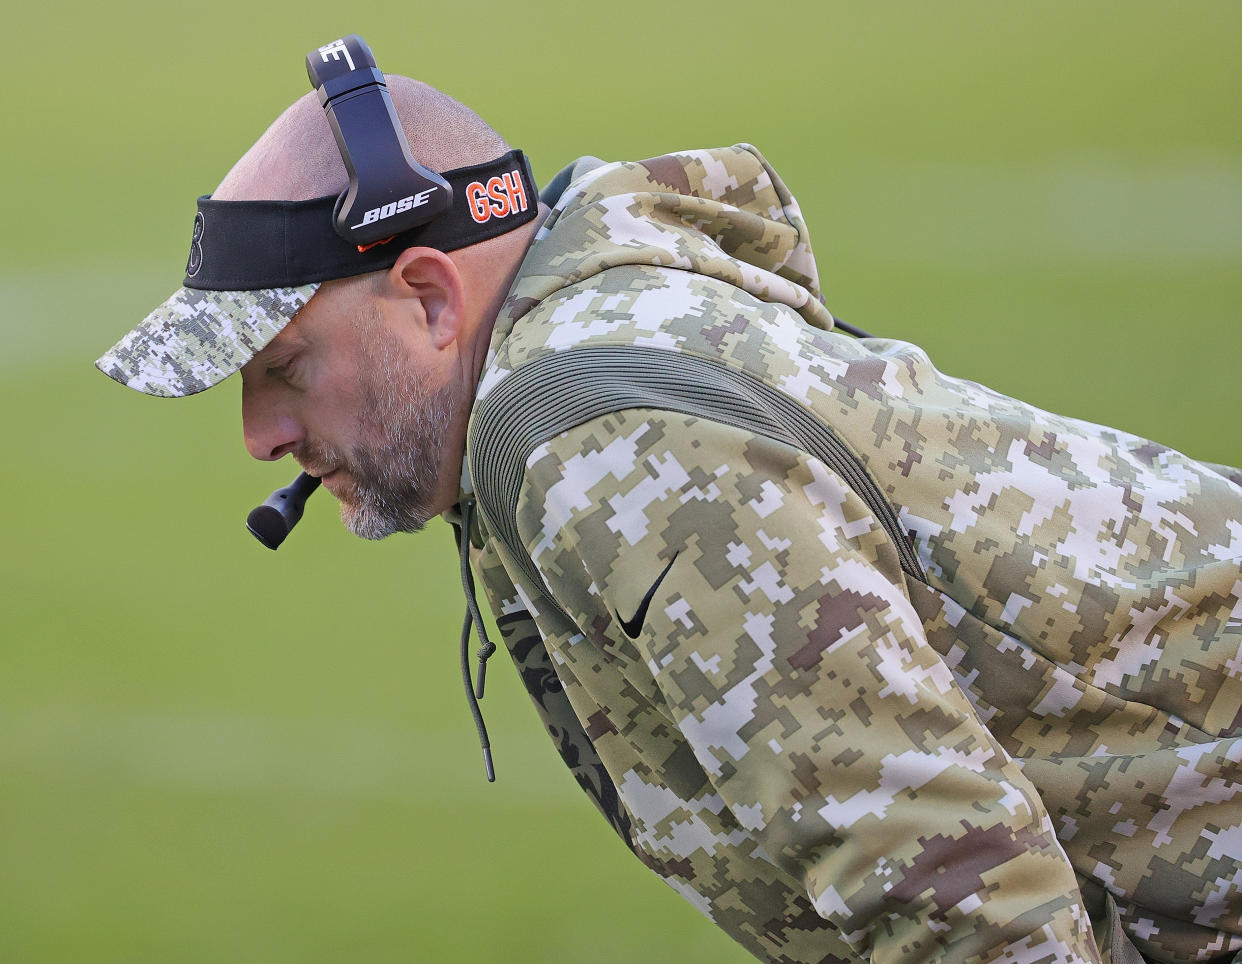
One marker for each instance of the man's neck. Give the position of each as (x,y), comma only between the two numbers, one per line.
(479,268)
(495,288)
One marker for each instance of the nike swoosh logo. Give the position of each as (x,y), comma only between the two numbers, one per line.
(632,627)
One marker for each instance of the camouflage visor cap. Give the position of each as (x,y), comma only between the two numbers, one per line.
(197,338)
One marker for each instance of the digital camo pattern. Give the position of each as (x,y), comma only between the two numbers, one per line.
(197,338)
(723,215)
(534,664)
(820,737)
(830,760)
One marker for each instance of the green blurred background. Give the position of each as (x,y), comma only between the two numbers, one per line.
(210,752)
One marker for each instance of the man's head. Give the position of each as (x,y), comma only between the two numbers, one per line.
(366,380)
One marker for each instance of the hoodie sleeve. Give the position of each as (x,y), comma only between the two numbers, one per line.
(747,593)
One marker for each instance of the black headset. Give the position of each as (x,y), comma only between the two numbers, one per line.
(389,192)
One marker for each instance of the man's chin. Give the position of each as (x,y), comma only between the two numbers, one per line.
(368,522)
(373,511)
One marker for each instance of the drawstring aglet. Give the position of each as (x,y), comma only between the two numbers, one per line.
(484,653)
(487,763)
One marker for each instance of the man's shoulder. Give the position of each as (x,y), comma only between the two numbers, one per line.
(632,250)
(657,307)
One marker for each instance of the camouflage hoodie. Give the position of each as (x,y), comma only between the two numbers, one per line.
(865,661)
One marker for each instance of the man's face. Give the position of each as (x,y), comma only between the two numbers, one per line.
(353,402)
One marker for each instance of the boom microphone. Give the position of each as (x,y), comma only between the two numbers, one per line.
(275,518)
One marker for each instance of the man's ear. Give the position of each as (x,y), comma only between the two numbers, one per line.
(430,278)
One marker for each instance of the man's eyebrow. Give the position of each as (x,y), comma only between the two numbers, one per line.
(283,357)
(281,350)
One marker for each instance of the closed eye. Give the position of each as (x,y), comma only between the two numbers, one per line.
(285,370)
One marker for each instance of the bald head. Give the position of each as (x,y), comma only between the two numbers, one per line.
(297,158)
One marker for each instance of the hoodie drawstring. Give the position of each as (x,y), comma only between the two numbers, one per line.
(461,532)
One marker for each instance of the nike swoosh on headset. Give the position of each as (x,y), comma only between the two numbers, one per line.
(633,626)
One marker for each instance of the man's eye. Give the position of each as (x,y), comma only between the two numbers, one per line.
(284,371)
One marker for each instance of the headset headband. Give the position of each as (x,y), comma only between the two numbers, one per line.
(244,245)
(391,203)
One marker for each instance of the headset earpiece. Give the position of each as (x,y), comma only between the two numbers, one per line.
(389,192)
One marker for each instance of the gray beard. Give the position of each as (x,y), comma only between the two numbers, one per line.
(393,469)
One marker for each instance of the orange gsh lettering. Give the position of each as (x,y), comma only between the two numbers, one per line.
(499,198)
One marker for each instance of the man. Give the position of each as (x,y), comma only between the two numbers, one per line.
(865,661)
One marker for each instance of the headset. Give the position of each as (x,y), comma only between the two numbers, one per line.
(382,172)
(389,194)
(384,178)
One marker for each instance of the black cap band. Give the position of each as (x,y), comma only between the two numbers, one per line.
(245,245)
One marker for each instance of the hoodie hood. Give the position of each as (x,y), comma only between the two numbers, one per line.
(720,214)
(723,213)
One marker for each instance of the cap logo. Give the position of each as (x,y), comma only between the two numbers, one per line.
(196,248)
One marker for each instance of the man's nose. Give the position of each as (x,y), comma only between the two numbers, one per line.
(269,434)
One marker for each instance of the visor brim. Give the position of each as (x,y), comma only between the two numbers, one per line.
(198,338)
